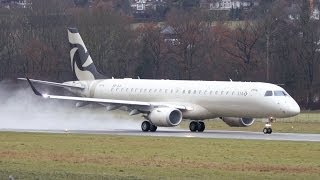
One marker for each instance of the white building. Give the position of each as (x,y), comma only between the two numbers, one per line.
(294,12)
(315,14)
(229,4)
(142,5)
(16,3)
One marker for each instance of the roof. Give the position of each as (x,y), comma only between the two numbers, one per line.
(168,30)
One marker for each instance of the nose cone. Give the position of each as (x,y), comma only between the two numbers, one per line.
(294,109)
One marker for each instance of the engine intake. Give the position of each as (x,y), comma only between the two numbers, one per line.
(238,122)
(165,117)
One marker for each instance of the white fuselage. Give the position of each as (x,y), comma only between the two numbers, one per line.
(205,99)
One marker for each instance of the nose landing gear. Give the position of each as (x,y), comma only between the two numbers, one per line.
(267,128)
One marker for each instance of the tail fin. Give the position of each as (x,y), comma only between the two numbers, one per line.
(81,62)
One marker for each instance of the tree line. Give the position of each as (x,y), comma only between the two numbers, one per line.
(270,48)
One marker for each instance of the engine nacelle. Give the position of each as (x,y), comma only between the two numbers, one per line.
(165,117)
(238,122)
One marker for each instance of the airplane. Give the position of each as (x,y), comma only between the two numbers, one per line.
(165,103)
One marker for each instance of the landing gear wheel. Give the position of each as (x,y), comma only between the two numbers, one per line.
(201,126)
(153,128)
(197,126)
(267,130)
(193,126)
(145,126)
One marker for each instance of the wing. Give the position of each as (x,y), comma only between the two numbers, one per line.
(147,106)
(53,83)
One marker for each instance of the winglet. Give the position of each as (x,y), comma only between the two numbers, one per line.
(33,88)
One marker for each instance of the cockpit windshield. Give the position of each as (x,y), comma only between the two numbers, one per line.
(275,93)
(268,93)
(280,93)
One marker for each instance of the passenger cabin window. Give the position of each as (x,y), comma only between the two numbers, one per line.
(268,93)
(280,93)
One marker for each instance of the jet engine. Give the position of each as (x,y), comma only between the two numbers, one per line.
(238,122)
(165,117)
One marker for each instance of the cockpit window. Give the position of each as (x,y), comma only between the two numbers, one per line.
(280,93)
(268,93)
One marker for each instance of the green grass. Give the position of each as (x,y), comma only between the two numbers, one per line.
(306,122)
(72,156)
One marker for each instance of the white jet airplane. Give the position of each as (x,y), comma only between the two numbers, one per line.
(165,103)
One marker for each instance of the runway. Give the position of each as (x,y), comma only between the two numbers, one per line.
(219,134)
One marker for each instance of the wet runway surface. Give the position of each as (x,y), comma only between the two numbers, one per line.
(187,134)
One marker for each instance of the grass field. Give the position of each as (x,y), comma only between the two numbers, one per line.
(71,156)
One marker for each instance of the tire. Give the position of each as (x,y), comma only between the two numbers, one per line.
(269,130)
(201,126)
(193,126)
(145,126)
(153,128)
(265,130)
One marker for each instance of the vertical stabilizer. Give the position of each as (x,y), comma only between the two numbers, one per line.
(81,62)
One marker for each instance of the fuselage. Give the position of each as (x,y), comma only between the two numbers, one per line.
(205,99)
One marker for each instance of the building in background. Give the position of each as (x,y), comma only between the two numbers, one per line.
(227,4)
(15,3)
(148,8)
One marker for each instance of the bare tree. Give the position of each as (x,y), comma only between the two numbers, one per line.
(307,49)
(154,46)
(190,32)
(241,45)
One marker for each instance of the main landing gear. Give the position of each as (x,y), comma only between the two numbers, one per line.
(197,126)
(267,128)
(147,126)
